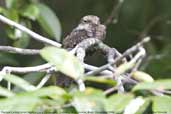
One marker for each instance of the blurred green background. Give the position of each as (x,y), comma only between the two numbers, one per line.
(135,17)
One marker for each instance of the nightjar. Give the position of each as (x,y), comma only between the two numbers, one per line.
(89,27)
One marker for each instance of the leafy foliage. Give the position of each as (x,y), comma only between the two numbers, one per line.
(64,61)
(57,18)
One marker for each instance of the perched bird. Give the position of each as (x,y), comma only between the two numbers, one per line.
(89,27)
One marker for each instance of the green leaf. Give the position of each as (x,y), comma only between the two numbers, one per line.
(5,92)
(20,103)
(49,21)
(134,105)
(11,32)
(142,76)
(39,100)
(124,67)
(68,110)
(48,98)
(12,14)
(64,61)
(52,92)
(34,78)
(31,12)
(159,84)
(57,94)
(10,3)
(161,104)
(145,108)
(2,10)
(100,80)
(89,100)
(16,80)
(117,102)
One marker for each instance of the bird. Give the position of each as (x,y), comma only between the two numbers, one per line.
(89,27)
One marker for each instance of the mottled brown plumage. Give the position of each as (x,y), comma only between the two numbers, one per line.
(89,27)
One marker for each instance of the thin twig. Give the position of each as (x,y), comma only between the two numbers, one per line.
(115,12)
(43,81)
(123,68)
(126,53)
(151,24)
(138,63)
(39,68)
(19,50)
(110,90)
(165,91)
(91,68)
(28,31)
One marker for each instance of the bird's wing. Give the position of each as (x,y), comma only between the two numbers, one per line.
(74,38)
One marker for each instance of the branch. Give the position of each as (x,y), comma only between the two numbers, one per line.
(114,13)
(39,68)
(81,48)
(126,53)
(151,24)
(85,44)
(130,65)
(28,31)
(19,50)
(107,73)
(43,81)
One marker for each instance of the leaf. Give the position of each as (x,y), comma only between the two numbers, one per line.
(12,14)
(90,100)
(142,76)
(2,10)
(5,92)
(11,32)
(124,67)
(134,105)
(145,108)
(117,102)
(20,103)
(100,80)
(39,100)
(161,104)
(31,12)
(10,3)
(52,92)
(34,78)
(49,21)
(64,61)
(16,80)
(159,84)
(68,110)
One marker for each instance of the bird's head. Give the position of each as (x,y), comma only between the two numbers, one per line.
(90,19)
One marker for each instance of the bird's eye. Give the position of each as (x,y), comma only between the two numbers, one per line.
(85,21)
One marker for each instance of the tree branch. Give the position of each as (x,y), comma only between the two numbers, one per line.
(114,14)
(19,50)
(39,68)
(126,53)
(28,31)
(151,24)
